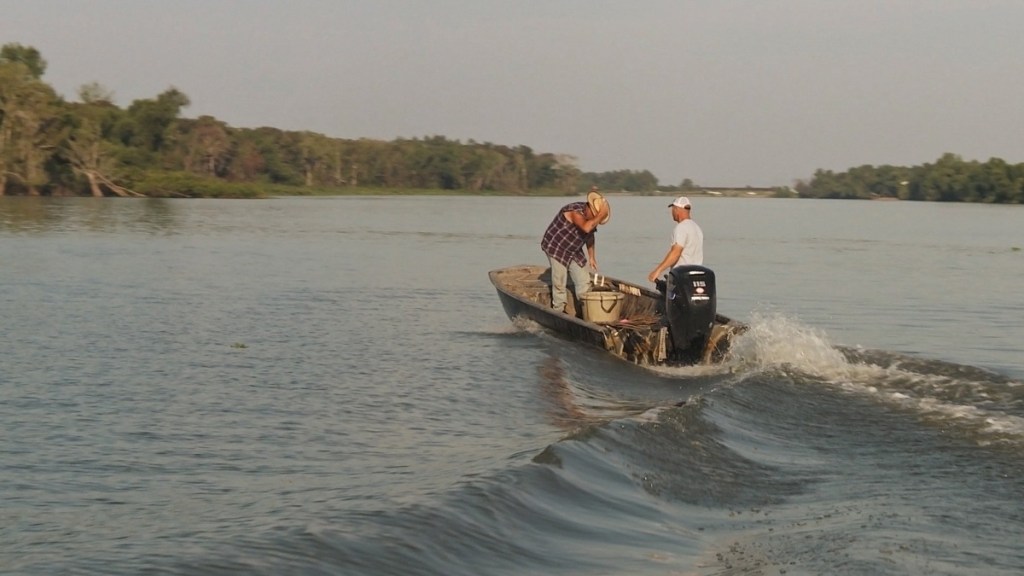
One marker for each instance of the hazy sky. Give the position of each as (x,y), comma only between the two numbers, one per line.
(724,92)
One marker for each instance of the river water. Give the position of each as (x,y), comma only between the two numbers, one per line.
(330,386)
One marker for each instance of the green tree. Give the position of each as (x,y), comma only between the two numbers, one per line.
(148,120)
(26,55)
(89,148)
(944,181)
(481,168)
(207,146)
(318,155)
(95,93)
(566,172)
(247,164)
(31,126)
(993,182)
(632,180)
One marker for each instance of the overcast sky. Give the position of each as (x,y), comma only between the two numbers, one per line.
(724,92)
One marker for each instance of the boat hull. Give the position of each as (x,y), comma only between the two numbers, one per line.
(641,336)
(569,326)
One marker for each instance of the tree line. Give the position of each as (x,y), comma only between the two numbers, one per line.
(948,179)
(93,147)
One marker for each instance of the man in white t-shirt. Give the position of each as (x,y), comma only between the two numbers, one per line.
(687,240)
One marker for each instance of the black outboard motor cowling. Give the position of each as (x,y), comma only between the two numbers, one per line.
(690,306)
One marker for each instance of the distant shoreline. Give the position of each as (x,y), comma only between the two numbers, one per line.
(703,192)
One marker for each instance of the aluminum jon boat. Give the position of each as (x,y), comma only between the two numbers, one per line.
(675,325)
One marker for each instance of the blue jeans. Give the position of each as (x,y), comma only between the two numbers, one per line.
(580,279)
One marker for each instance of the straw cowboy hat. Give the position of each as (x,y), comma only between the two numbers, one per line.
(596,202)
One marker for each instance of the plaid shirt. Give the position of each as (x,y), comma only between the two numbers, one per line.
(563,241)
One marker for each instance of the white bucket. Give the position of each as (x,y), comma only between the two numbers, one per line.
(602,306)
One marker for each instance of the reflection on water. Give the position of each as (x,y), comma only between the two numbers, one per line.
(34,215)
(572,406)
(564,412)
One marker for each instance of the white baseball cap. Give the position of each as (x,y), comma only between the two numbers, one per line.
(682,202)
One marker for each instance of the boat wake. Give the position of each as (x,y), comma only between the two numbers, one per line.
(984,406)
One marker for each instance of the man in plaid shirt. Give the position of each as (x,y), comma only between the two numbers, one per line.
(573,228)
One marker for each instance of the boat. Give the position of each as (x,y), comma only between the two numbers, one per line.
(677,324)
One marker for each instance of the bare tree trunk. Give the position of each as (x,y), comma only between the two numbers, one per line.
(119,190)
(94,184)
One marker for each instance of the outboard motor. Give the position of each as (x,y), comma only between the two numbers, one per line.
(690,306)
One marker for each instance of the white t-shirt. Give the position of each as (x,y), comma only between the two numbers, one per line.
(689,235)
